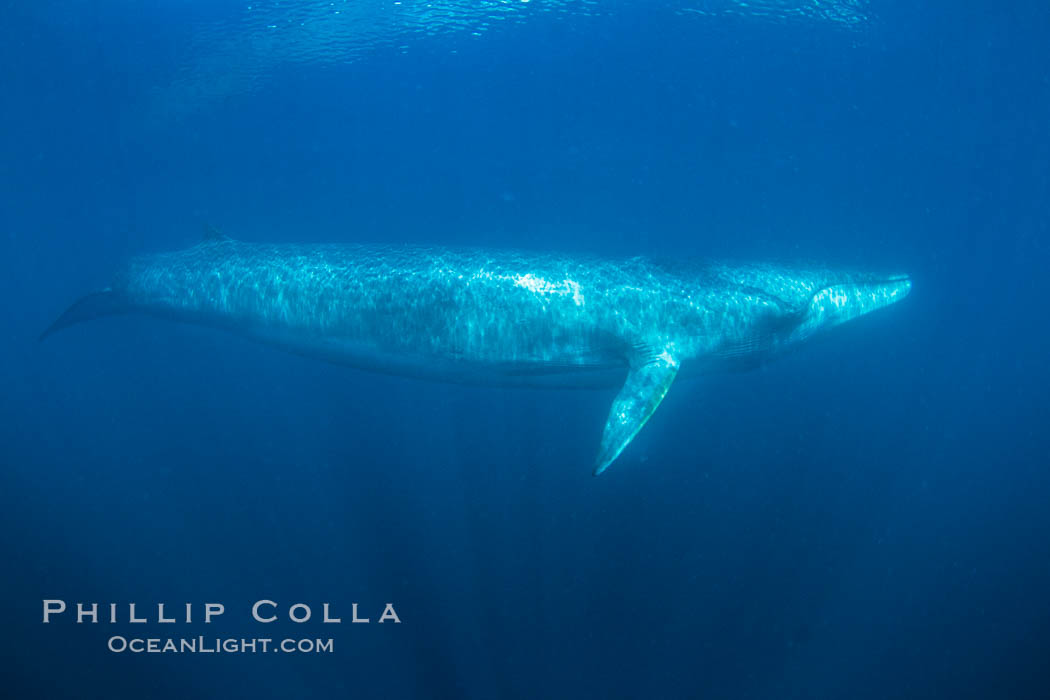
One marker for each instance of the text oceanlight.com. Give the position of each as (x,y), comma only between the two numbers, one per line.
(216,645)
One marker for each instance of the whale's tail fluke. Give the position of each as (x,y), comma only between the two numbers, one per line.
(94,305)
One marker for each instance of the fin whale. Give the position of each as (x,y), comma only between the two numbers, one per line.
(498,317)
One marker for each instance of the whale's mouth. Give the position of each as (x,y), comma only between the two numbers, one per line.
(873,282)
(839,303)
(895,288)
(867,294)
(898,287)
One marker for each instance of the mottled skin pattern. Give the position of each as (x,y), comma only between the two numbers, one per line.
(499,317)
(484,316)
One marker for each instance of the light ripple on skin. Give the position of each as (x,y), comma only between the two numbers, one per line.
(489,306)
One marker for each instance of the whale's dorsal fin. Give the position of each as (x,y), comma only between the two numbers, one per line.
(213,235)
(648,380)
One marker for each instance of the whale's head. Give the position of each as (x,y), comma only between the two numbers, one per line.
(794,304)
(837,299)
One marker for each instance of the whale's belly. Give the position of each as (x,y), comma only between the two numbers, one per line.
(584,371)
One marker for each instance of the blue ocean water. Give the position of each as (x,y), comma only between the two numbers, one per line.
(864,519)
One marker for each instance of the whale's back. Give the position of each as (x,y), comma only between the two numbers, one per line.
(517,311)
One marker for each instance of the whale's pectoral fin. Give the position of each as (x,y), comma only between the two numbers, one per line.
(647,383)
